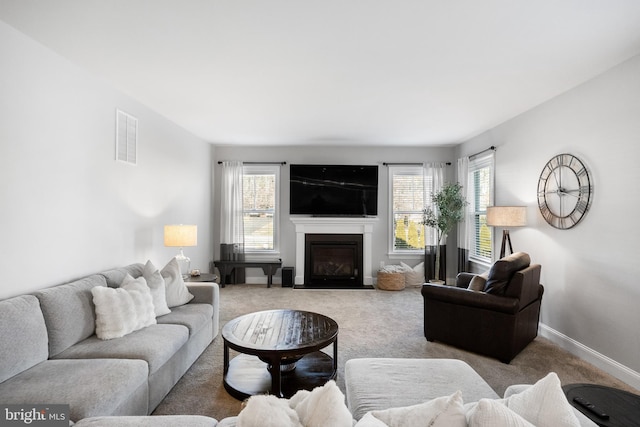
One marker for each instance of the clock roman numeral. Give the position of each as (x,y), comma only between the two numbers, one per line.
(582,206)
(548,216)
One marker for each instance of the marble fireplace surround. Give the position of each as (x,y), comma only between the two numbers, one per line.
(334,225)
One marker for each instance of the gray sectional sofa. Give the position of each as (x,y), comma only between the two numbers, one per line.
(50,353)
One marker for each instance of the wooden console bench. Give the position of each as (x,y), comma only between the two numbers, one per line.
(269,267)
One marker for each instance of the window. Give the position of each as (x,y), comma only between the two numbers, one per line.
(260,185)
(481,172)
(407,186)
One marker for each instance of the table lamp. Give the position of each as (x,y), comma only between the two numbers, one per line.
(506,216)
(181,236)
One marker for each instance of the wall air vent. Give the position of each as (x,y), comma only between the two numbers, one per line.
(126,138)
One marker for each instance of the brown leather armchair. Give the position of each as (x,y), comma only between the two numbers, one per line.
(499,321)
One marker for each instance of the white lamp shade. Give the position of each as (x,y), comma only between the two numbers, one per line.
(506,216)
(180,235)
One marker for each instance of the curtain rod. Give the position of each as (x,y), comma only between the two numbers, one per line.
(409,164)
(492,148)
(259,163)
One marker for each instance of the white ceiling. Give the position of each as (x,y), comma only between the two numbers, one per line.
(356,72)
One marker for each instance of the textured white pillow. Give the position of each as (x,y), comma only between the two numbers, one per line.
(177,292)
(120,311)
(413,276)
(155,282)
(492,413)
(544,404)
(446,411)
(142,300)
(115,312)
(322,407)
(267,411)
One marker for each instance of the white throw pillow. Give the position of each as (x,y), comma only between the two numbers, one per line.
(370,421)
(142,300)
(544,404)
(267,411)
(322,407)
(177,292)
(413,276)
(446,411)
(492,413)
(155,282)
(116,311)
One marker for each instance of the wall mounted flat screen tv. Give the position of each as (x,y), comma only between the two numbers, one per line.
(333,190)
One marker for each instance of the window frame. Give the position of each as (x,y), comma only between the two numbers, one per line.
(393,170)
(476,164)
(266,169)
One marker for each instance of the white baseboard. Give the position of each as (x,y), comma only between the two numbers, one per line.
(610,366)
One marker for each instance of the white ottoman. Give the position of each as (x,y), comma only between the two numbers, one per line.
(373,384)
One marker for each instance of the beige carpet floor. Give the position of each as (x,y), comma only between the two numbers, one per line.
(372,323)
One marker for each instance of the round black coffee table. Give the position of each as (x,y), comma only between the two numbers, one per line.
(622,408)
(280,352)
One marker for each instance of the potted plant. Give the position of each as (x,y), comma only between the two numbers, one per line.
(447,210)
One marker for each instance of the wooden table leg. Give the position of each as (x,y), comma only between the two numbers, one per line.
(276,376)
(223,274)
(335,357)
(226,358)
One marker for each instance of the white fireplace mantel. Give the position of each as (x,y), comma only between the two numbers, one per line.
(331,225)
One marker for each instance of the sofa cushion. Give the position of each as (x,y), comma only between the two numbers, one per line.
(155,344)
(503,270)
(193,316)
(150,421)
(90,387)
(23,335)
(69,312)
(115,276)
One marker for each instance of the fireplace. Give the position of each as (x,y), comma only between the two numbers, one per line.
(333,260)
(326,225)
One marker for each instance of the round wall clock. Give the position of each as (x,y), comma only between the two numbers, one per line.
(564,191)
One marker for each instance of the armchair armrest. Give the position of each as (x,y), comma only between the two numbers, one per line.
(463,280)
(466,297)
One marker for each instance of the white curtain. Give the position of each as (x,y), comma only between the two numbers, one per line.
(231,213)
(465,226)
(434,177)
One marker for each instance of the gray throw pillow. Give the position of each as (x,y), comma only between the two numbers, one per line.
(503,270)
(478,282)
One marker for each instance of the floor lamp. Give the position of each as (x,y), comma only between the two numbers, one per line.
(506,217)
(181,236)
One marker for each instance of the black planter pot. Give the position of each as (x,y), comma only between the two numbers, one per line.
(430,262)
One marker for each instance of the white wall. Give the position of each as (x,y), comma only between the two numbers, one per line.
(332,155)
(592,292)
(68,209)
